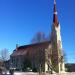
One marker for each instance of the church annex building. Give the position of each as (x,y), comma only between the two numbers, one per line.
(45,56)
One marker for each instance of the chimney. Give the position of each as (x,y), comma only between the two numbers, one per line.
(16,46)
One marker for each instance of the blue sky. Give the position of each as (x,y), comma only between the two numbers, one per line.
(21,19)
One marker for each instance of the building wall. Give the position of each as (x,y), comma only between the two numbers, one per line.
(37,58)
(16,62)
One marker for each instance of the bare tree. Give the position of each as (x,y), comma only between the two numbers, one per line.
(4,54)
(48,37)
(38,37)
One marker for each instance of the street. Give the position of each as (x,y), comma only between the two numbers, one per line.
(32,73)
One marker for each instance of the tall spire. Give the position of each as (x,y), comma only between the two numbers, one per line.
(55,18)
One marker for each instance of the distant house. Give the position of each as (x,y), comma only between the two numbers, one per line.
(45,56)
(1,63)
(70,67)
(2,67)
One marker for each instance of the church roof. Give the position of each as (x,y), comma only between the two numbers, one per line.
(29,49)
(55,18)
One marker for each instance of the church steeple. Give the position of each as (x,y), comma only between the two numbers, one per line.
(56,42)
(55,18)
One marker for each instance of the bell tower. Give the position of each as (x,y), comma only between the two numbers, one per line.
(57,53)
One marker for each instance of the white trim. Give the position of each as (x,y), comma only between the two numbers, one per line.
(55,13)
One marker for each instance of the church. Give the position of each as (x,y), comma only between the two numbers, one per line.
(45,56)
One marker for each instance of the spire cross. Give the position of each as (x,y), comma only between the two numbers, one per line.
(55,12)
(54,1)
